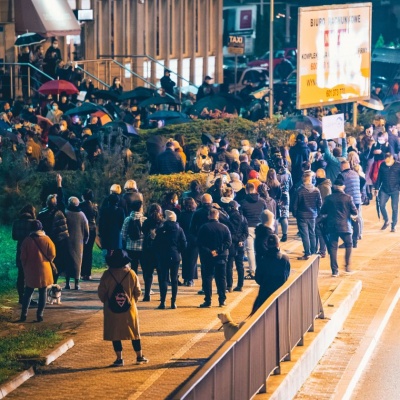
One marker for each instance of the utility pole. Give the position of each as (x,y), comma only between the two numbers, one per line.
(271,58)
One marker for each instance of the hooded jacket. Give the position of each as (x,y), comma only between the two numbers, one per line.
(252,207)
(169,243)
(307,202)
(298,154)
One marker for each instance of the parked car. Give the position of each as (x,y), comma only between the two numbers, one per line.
(289,53)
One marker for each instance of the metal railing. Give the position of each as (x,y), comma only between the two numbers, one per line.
(97,79)
(240,368)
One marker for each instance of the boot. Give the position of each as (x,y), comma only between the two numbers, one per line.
(161,306)
(146,297)
(173,304)
(77,287)
(67,285)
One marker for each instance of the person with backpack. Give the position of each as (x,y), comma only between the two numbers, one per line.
(132,233)
(119,291)
(169,244)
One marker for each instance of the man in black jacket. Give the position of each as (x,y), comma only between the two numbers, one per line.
(239,233)
(214,241)
(338,209)
(388,185)
(167,83)
(169,162)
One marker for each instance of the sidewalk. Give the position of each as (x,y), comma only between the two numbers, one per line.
(178,341)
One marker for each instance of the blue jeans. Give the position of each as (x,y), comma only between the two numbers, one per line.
(383,198)
(307,233)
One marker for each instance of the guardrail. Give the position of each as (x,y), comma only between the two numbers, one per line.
(240,368)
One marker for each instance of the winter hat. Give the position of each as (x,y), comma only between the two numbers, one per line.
(267,217)
(253,174)
(339,181)
(300,138)
(223,143)
(235,183)
(36,225)
(117,259)
(73,201)
(273,242)
(115,189)
(170,216)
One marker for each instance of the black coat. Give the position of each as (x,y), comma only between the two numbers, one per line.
(169,243)
(260,242)
(169,162)
(272,272)
(252,206)
(338,207)
(91,212)
(238,227)
(214,236)
(185,219)
(298,154)
(110,224)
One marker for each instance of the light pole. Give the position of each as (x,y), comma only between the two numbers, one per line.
(271,58)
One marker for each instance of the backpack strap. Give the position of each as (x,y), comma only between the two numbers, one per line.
(122,278)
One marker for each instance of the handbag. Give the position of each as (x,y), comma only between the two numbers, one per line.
(52,265)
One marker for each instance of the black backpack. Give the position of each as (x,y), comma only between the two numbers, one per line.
(119,301)
(134,229)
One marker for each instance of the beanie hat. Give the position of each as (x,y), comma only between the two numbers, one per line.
(36,225)
(235,183)
(223,143)
(273,242)
(267,217)
(170,216)
(253,174)
(117,259)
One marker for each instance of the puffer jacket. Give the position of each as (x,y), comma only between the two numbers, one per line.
(252,206)
(54,224)
(307,202)
(352,185)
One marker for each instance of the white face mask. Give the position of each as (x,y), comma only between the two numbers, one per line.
(245,148)
(63,128)
(381,141)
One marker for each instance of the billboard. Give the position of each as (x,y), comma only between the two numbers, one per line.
(334,54)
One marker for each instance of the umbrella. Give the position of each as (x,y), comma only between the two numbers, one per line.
(378,206)
(206,138)
(64,146)
(166,115)
(215,102)
(299,122)
(127,129)
(390,112)
(85,109)
(374,103)
(158,100)
(28,39)
(176,121)
(106,95)
(91,142)
(102,116)
(155,146)
(57,87)
(138,93)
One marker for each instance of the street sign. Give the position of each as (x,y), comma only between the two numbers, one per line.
(236,45)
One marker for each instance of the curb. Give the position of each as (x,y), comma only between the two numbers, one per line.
(296,372)
(366,348)
(14,383)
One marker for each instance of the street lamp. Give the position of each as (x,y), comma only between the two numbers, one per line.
(271,59)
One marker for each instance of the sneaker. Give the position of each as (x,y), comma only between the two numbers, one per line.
(200,292)
(249,276)
(77,287)
(118,363)
(205,305)
(190,283)
(348,270)
(322,255)
(146,298)
(141,360)
(229,290)
(34,303)
(303,257)
(335,275)
(223,304)
(355,245)
(393,229)
(67,287)
(385,225)
(284,238)
(161,306)
(238,289)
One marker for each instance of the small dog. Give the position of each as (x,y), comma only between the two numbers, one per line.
(230,327)
(54,294)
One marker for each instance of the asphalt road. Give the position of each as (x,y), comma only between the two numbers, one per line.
(381,378)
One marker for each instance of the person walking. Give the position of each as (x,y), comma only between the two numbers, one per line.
(21,229)
(149,257)
(337,210)
(169,243)
(387,187)
(122,325)
(90,210)
(285,179)
(214,241)
(252,207)
(272,272)
(306,206)
(37,254)
(78,228)
(239,233)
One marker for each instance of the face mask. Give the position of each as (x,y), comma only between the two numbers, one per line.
(176,202)
(55,108)
(245,148)
(381,141)
(63,128)
(55,45)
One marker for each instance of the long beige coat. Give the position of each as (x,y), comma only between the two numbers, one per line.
(123,326)
(37,269)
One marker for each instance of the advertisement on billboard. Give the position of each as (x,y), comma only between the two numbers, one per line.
(334,54)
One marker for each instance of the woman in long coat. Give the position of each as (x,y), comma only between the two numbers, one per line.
(124,325)
(78,229)
(37,251)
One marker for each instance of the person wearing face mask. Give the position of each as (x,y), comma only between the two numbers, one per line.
(378,151)
(171,203)
(54,115)
(388,186)
(246,148)
(53,54)
(24,58)
(116,86)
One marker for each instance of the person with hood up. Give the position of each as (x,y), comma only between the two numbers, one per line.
(306,206)
(338,209)
(227,196)
(21,229)
(169,244)
(123,325)
(334,158)
(237,185)
(244,167)
(252,206)
(37,254)
(78,228)
(260,152)
(272,272)
(299,153)
(324,186)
